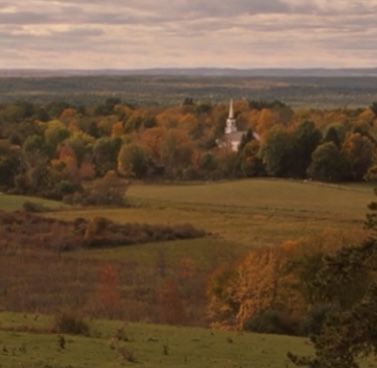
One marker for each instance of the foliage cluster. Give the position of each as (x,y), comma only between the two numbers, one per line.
(70,322)
(274,290)
(33,231)
(55,150)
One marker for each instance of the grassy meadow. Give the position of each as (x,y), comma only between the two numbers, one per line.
(238,216)
(154,346)
(246,213)
(15,202)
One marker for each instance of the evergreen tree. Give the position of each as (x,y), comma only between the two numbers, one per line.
(348,282)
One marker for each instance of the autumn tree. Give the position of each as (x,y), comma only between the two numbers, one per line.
(259,282)
(117,129)
(176,153)
(171,307)
(108,298)
(273,115)
(359,151)
(70,118)
(67,156)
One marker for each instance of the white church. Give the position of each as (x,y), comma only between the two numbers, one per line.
(233,136)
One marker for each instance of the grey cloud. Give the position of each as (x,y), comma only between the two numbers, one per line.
(147,12)
(171,31)
(24,18)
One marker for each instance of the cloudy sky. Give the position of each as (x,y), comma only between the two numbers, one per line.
(127,34)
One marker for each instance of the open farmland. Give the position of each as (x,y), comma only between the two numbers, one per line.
(239,216)
(247,213)
(184,347)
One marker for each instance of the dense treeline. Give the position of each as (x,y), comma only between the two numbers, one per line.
(299,90)
(59,150)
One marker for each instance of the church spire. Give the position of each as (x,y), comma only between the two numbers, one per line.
(231,110)
(231,121)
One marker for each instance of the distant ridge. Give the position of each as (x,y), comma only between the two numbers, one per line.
(208,72)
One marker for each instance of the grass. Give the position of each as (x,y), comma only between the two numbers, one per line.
(184,347)
(15,202)
(287,196)
(241,215)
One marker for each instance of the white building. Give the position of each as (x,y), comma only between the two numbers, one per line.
(233,136)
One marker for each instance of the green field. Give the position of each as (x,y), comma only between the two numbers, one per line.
(239,216)
(185,347)
(246,213)
(15,202)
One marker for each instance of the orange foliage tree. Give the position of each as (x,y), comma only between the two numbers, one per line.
(171,307)
(108,299)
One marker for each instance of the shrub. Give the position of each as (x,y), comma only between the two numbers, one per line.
(71,322)
(34,207)
(315,319)
(273,322)
(108,191)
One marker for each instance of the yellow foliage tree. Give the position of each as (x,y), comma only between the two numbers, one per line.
(259,282)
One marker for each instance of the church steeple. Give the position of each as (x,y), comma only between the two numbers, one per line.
(231,122)
(231,110)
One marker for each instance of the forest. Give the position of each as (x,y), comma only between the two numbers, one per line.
(59,151)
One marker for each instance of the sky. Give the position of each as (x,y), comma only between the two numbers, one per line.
(137,34)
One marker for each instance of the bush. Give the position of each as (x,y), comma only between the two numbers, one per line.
(315,319)
(71,322)
(108,191)
(34,207)
(272,322)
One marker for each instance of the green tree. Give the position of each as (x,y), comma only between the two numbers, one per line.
(132,161)
(347,282)
(306,138)
(34,145)
(81,144)
(328,164)
(55,133)
(276,152)
(250,162)
(105,154)
(9,166)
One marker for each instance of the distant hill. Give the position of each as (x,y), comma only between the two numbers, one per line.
(220,72)
(316,88)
